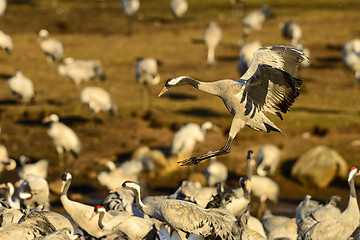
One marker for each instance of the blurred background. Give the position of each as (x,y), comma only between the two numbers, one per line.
(325,113)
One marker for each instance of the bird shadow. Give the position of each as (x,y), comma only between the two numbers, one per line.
(180,96)
(320,111)
(227,58)
(197,41)
(122,157)
(5,76)
(337,47)
(30,122)
(201,112)
(286,167)
(326,62)
(73,120)
(8,102)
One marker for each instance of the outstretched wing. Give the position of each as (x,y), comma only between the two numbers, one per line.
(272,90)
(282,57)
(270,82)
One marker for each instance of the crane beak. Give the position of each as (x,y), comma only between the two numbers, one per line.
(165,89)
(3,185)
(216,128)
(45,120)
(116,189)
(92,216)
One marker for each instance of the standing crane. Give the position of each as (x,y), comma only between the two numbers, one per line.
(186,216)
(5,41)
(81,70)
(212,38)
(22,87)
(291,31)
(6,163)
(52,48)
(340,226)
(178,7)
(130,8)
(268,159)
(3,5)
(185,139)
(254,20)
(269,85)
(146,73)
(63,137)
(80,213)
(98,100)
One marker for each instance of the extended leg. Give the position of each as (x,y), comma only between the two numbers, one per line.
(195,160)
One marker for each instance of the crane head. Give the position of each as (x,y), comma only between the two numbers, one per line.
(97,209)
(66,176)
(352,173)
(170,83)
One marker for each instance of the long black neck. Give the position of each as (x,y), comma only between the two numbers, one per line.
(249,168)
(352,188)
(208,87)
(100,222)
(65,188)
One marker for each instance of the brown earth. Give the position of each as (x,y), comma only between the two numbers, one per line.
(327,108)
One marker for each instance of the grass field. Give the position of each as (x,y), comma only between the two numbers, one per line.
(329,100)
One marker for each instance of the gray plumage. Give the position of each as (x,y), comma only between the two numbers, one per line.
(351,56)
(268,159)
(6,163)
(3,5)
(146,71)
(98,100)
(187,217)
(291,31)
(269,85)
(12,199)
(338,227)
(212,38)
(22,87)
(80,213)
(255,19)
(178,7)
(61,234)
(271,221)
(186,138)
(263,188)
(216,172)
(130,7)
(5,40)
(246,55)
(52,48)
(81,70)
(122,201)
(244,231)
(39,168)
(112,176)
(35,224)
(134,227)
(34,193)
(63,137)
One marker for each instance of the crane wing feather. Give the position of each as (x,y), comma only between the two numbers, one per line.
(272,90)
(285,58)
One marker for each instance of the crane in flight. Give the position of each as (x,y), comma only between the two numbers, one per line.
(269,85)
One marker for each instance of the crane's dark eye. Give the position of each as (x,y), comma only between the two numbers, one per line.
(167,82)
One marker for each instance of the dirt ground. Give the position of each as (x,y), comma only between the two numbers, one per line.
(327,108)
